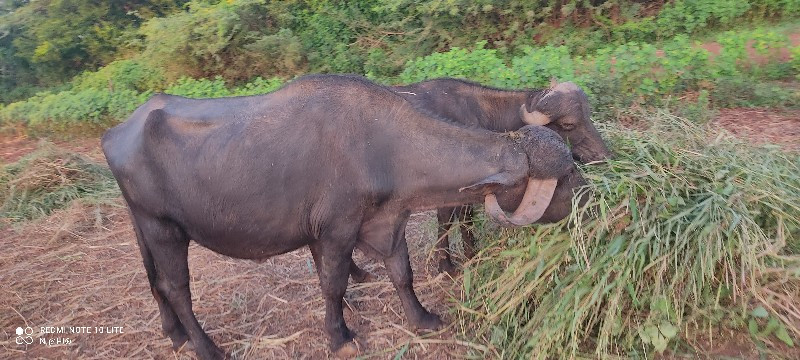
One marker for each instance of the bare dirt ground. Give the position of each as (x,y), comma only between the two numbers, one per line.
(14,148)
(81,267)
(763,126)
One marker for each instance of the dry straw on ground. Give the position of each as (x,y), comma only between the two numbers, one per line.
(81,267)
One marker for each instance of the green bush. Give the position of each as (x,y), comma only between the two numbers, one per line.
(232,39)
(616,77)
(258,86)
(689,16)
(199,88)
(205,88)
(537,66)
(97,108)
(751,92)
(93,108)
(481,65)
(131,75)
(795,62)
(735,59)
(770,8)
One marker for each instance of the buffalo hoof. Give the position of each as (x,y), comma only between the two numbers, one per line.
(348,350)
(210,352)
(182,344)
(446,266)
(178,337)
(429,321)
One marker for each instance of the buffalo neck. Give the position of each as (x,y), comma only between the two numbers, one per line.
(439,158)
(500,109)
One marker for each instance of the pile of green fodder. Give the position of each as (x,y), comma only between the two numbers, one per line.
(49,179)
(691,232)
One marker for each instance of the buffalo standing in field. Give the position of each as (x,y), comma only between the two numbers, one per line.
(329,162)
(563,107)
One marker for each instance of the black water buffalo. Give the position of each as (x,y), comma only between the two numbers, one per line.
(563,107)
(329,162)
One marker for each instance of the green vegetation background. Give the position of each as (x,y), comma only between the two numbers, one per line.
(74,65)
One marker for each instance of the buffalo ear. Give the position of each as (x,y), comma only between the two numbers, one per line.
(489,184)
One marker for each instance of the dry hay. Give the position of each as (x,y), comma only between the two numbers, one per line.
(48,179)
(81,267)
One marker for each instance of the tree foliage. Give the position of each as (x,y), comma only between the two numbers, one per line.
(46,42)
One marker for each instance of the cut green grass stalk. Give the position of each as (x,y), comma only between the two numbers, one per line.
(687,224)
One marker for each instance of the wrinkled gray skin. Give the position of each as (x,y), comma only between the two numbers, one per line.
(329,162)
(468,103)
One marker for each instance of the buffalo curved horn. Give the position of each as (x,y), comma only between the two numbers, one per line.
(536,199)
(533,118)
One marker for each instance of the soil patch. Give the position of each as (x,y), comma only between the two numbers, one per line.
(14,148)
(762,126)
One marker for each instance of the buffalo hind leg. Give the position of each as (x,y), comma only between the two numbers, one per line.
(445,218)
(333,267)
(168,247)
(402,277)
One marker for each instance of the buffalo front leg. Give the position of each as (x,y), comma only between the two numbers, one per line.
(467,236)
(402,277)
(169,246)
(445,218)
(333,267)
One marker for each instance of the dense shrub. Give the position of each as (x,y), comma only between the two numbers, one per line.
(95,108)
(258,86)
(749,51)
(688,16)
(199,88)
(132,75)
(632,72)
(796,61)
(481,65)
(752,92)
(232,39)
(536,66)
(80,109)
(616,77)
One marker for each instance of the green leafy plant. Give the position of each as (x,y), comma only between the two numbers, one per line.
(481,65)
(199,88)
(131,75)
(537,66)
(679,218)
(761,325)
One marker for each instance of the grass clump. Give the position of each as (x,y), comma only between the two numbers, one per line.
(691,231)
(49,179)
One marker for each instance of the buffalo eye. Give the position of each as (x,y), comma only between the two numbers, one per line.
(567,127)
